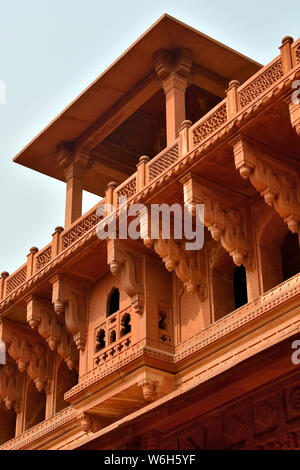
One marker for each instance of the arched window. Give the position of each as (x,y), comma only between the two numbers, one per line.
(126,326)
(65,380)
(100,340)
(290,256)
(240,287)
(113,304)
(162,320)
(112,337)
(35,406)
(229,284)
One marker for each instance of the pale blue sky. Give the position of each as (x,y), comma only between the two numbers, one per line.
(52,49)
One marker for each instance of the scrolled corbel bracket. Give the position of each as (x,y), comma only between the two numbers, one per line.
(122,262)
(88,422)
(185,264)
(226,223)
(149,389)
(69,297)
(276,182)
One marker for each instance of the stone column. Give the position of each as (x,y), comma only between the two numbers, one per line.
(4,275)
(174,87)
(233,104)
(74,164)
(286,54)
(173,70)
(74,176)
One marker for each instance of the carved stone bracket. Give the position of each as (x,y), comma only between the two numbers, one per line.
(149,390)
(185,264)
(9,389)
(67,156)
(225,222)
(89,422)
(172,62)
(274,181)
(121,261)
(70,297)
(28,351)
(40,315)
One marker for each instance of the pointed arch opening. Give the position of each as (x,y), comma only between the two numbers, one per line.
(240,287)
(113,302)
(290,256)
(35,406)
(65,380)
(229,284)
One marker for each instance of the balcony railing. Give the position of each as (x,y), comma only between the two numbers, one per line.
(113,336)
(238,99)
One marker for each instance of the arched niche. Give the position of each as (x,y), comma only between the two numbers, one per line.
(35,405)
(65,380)
(270,241)
(229,283)
(113,302)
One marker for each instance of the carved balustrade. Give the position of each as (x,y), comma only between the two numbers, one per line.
(238,100)
(114,336)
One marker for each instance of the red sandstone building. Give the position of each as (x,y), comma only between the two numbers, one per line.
(123,344)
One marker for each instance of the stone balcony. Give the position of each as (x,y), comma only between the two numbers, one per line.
(241,104)
(267,320)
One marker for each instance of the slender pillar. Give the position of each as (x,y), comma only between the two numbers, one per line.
(286,54)
(173,70)
(174,87)
(4,275)
(142,172)
(30,261)
(233,103)
(74,176)
(74,164)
